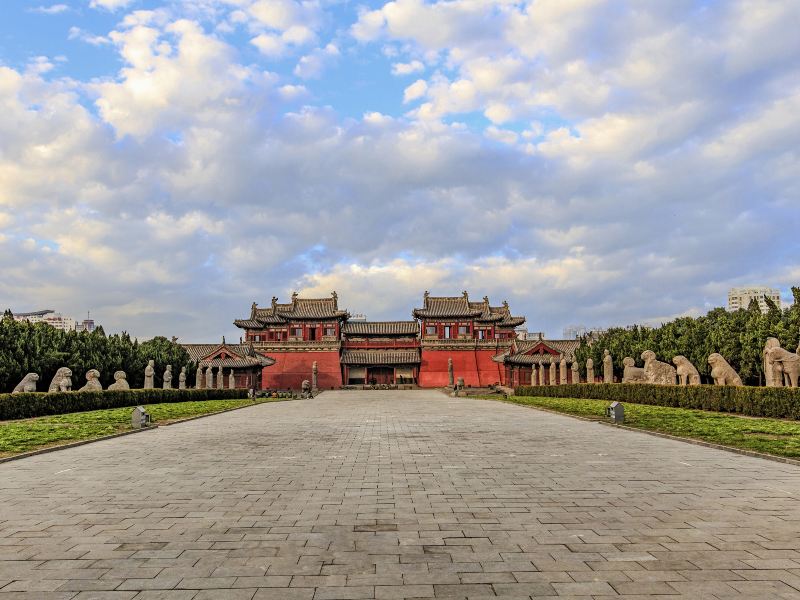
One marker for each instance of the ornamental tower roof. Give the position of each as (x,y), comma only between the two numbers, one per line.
(442,307)
(317,309)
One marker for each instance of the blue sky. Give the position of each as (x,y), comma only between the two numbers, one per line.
(164,163)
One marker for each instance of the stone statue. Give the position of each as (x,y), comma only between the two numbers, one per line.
(220,379)
(658,372)
(305,387)
(789,362)
(231,380)
(149,375)
(631,373)
(541,374)
(182,379)
(687,373)
(62,381)
(198,378)
(562,370)
(120,381)
(773,370)
(722,372)
(92,382)
(27,385)
(533,374)
(167,383)
(314,372)
(608,367)
(589,370)
(450,379)
(552,374)
(576,374)
(209,378)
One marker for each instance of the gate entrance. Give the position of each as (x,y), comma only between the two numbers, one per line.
(380,375)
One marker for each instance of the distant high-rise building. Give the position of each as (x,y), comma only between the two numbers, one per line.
(56,320)
(741,297)
(572,332)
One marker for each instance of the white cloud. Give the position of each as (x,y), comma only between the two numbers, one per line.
(408,68)
(110,4)
(312,65)
(76,33)
(415,91)
(53,9)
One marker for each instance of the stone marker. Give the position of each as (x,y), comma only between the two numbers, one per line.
(231,381)
(789,362)
(92,382)
(62,381)
(562,370)
(167,381)
(631,373)
(149,375)
(608,367)
(314,371)
(552,373)
(198,378)
(722,372)
(658,372)
(27,385)
(182,379)
(140,418)
(589,370)
(576,374)
(687,373)
(120,381)
(450,380)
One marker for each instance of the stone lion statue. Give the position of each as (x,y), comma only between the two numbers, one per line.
(120,381)
(687,373)
(631,373)
(27,385)
(722,372)
(789,362)
(92,381)
(62,381)
(656,371)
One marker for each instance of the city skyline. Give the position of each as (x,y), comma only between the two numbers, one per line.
(169,162)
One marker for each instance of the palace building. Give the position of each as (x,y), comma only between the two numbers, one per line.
(478,338)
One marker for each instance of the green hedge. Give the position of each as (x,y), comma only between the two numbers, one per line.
(781,403)
(25,406)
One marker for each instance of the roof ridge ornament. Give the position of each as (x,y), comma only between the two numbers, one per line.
(253,310)
(335,297)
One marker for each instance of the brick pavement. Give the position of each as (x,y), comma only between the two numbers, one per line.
(389,495)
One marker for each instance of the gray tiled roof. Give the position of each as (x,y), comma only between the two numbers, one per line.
(240,355)
(517,354)
(460,307)
(407,328)
(380,357)
(299,308)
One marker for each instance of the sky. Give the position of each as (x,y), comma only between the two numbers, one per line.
(165,163)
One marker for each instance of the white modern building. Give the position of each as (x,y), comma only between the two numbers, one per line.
(56,320)
(740,297)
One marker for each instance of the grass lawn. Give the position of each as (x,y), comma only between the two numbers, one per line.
(32,434)
(771,436)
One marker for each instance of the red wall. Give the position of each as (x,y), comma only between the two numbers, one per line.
(475,366)
(291,368)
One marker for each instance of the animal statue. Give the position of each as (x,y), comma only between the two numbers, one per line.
(120,381)
(658,372)
(722,372)
(92,381)
(62,381)
(631,373)
(773,369)
(27,385)
(182,379)
(687,373)
(790,364)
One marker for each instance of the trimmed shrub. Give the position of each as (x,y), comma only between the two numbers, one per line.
(25,406)
(779,403)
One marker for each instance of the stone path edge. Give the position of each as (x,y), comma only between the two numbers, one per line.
(122,433)
(742,451)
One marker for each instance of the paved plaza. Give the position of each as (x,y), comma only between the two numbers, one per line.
(392,495)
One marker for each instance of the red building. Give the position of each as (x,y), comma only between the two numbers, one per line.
(305,331)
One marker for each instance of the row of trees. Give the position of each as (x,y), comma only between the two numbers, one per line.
(739,336)
(42,349)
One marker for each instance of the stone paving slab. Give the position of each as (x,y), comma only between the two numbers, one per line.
(391,495)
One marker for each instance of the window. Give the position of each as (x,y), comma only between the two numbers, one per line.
(447,332)
(297,332)
(463,330)
(258,338)
(430,330)
(481,334)
(330,331)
